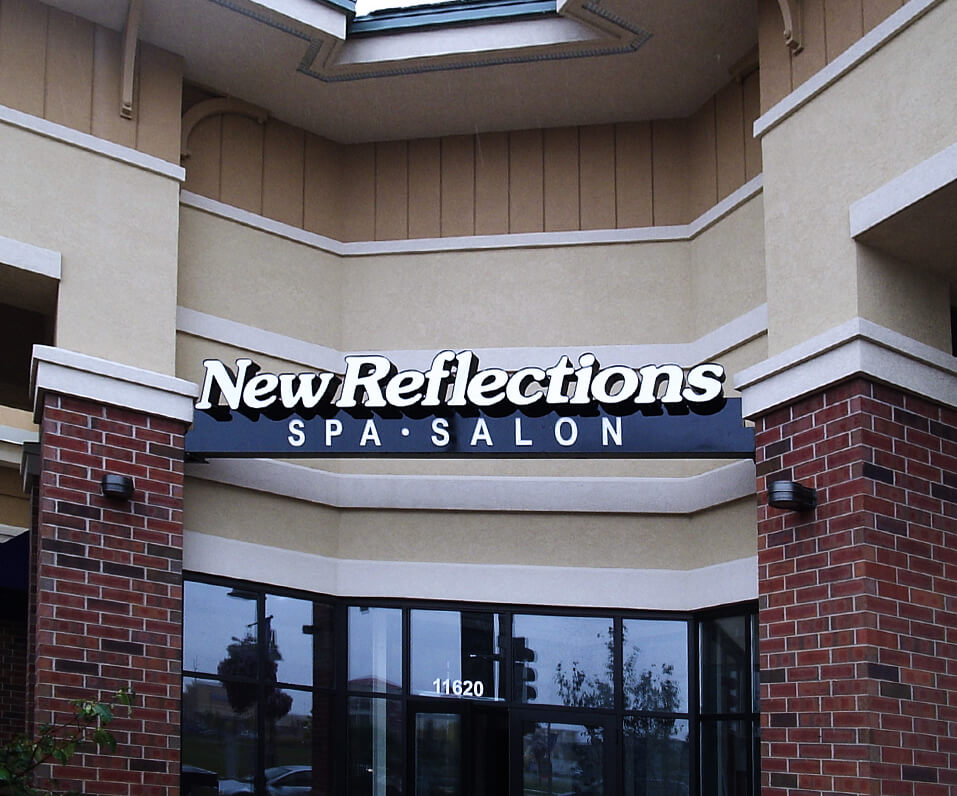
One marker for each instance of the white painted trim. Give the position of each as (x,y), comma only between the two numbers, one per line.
(11,454)
(656,589)
(8,532)
(17,436)
(70,373)
(616,495)
(858,52)
(856,348)
(249,338)
(460,42)
(26,257)
(904,191)
(91,143)
(680,232)
(317,16)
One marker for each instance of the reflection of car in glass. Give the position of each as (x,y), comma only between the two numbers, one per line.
(280,781)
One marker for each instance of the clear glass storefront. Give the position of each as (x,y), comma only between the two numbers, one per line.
(288,693)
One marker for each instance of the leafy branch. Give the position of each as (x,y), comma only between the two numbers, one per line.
(57,743)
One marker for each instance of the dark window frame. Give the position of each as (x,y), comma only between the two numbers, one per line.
(338,693)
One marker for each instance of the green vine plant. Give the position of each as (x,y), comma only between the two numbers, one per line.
(56,743)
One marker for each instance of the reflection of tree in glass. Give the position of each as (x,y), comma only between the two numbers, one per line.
(648,689)
(241,661)
(655,753)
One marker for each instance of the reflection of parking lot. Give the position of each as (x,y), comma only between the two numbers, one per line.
(563,760)
(280,781)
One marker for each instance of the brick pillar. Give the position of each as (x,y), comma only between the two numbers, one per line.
(858,599)
(108,588)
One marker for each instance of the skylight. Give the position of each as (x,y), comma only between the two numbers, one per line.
(365,7)
(380,16)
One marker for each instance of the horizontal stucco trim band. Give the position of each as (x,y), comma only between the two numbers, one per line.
(66,372)
(679,232)
(904,191)
(593,495)
(91,143)
(856,348)
(653,589)
(735,333)
(9,532)
(26,257)
(858,52)
(17,436)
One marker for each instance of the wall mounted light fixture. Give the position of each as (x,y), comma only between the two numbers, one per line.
(792,496)
(116,487)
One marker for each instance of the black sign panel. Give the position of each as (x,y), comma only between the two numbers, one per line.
(713,430)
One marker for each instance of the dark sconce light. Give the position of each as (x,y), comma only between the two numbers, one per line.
(792,496)
(116,487)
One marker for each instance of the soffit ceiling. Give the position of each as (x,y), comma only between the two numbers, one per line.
(619,60)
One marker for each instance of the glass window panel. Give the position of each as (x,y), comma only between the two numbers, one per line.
(287,719)
(438,754)
(657,757)
(218,735)
(563,660)
(655,665)
(215,617)
(375,649)
(455,654)
(724,758)
(376,747)
(725,665)
(562,759)
(292,624)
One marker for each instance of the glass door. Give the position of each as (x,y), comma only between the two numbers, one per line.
(558,753)
(458,749)
(437,750)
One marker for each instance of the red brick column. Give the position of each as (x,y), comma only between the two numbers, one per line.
(859,598)
(108,588)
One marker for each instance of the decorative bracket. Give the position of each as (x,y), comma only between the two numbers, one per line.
(130,33)
(212,107)
(793,35)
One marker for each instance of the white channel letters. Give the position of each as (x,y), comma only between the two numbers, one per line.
(454,383)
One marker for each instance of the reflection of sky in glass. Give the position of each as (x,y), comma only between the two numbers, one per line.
(301,703)
(656,644)
(437,651)
(289,615)
(211,619)
(572,641)
(375,649)
(364,7)
(436,648)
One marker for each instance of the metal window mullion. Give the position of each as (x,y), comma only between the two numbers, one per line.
(694,707)
(262,646)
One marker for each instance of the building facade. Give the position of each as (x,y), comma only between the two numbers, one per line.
(540,600)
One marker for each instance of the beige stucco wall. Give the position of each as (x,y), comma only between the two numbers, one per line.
(586,295)
(260,518)
(654,292)
(724,533)
(879,120)
(727,268)
(663,292)
(259,279)
(115,226)
(14,504)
